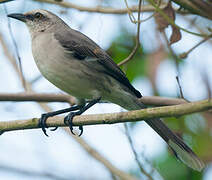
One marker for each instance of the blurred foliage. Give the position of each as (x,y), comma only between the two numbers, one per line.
(120,49)
(192,128)
(171,169)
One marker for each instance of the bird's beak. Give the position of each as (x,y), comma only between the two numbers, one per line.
(20,17)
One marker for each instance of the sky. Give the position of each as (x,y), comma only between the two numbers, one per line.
(61,154)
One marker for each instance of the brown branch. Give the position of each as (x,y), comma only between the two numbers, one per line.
(111,118)
(44,97)
(38,97)
(99,9)
(137,43)
(161,101)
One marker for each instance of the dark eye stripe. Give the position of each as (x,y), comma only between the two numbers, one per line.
(30,17)
(38,15)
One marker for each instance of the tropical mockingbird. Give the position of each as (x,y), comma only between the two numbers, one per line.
(77,65)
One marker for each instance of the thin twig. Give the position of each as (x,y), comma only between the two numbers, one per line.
(131,16)
(173,54)
(185,54)
(24,172)
(170,21)
(175,57)
(16,49)
(9,56)
(143,20)
(198,27)
(137,43)
(180,88)
(135,153)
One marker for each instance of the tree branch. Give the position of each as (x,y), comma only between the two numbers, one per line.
(111,118)
(202,8)
(99,9)
(48,97)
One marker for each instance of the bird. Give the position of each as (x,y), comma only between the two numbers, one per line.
(77,65)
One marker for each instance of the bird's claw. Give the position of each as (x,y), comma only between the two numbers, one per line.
(42,123)
(68,120)
(81,130)
(54,129)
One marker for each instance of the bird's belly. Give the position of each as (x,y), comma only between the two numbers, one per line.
(69,77)
(64,72)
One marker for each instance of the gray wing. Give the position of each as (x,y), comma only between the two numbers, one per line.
(83,48)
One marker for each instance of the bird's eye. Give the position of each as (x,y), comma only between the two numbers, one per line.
(38,15)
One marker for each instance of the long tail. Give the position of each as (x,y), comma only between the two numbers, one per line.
(180,149)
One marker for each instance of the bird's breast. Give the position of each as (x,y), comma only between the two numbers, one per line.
(63,70)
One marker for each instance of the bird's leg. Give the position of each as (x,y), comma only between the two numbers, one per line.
(69,118)
(45,116)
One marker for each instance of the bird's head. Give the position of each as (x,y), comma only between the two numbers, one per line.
(37,20)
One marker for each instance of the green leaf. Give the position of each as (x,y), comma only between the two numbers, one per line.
(120,49)
(172,169)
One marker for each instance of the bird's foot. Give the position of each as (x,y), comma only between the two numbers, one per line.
(42,122)
(68,120)
(45,116)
